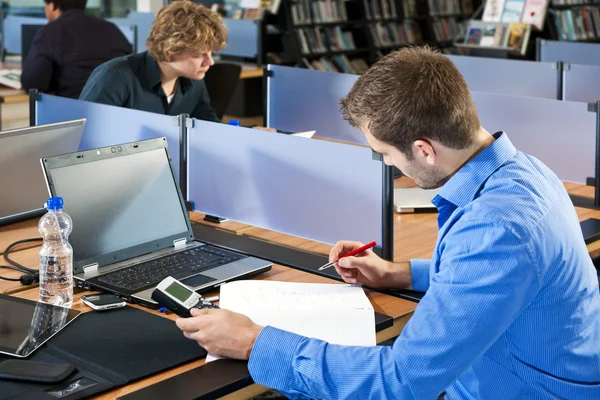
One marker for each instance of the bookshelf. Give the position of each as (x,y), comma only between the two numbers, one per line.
(574,20)
(350,35)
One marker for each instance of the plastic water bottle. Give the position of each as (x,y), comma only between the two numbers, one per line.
(56,255)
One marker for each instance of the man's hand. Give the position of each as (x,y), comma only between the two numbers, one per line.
(368,268)
(221,332)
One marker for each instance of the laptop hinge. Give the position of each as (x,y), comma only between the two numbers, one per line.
(90,268)
(179,243)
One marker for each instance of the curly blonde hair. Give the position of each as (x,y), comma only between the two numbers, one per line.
(184,26)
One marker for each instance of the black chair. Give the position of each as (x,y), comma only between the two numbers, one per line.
(221,81)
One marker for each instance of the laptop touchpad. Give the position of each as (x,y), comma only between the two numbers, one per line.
(197,280)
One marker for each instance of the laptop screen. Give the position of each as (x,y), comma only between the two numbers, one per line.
(119,202)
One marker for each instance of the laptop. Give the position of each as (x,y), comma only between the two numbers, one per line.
(130,225)
(20,153)
(414,199)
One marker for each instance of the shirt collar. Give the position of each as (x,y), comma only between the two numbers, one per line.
(153,75)
(466,182)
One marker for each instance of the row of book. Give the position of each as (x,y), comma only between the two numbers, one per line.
(339,63)
(394,34)
(443,7)
(318,40)
(574,2)
(578,24)
(309,12)
(380,9)
(446,29)
(527,11)
(514,35)
(409,8)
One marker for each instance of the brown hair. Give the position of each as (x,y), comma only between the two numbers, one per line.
(413,93)
(184,26)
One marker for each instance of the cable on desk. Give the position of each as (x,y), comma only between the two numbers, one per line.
(30,276)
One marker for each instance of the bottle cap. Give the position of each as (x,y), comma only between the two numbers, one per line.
(234,122)
(54,203)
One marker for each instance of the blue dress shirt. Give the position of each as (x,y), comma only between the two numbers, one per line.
(511,310)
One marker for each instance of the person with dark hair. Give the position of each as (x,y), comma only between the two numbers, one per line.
(66,50)
(511,307)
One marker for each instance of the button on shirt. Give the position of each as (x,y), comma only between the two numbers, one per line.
(64,53)
(134,82)
(511,310)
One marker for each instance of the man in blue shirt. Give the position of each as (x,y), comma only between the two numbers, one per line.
(512,306)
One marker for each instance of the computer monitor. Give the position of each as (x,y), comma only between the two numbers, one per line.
(24,189)
(28,33)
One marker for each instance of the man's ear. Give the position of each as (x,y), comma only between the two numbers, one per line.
(424,150)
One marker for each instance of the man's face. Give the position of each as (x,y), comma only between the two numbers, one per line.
(52,12)
(193,65)
(421,168)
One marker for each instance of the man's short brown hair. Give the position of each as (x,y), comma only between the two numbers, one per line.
(184,26)
(411,94)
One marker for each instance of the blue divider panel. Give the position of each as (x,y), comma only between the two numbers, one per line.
(581,83)
(126,27)
(512,77)
(143,20)
(109,125)
(12,31)
(314,189)
(242,38)
(569,52)
(562,134)
(304,100)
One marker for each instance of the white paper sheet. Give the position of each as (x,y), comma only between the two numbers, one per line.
(307,134)
(336,313)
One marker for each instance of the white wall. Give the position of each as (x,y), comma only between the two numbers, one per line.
(149,5)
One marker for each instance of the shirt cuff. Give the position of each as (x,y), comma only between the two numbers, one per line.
(270,362)
(419,272)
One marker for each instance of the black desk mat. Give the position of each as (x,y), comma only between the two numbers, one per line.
(112,348)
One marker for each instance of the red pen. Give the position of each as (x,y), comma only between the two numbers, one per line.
(352,253)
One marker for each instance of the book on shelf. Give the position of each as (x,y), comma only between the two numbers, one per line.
(444,7)
(512,36)
(316,40)
(11,78)
(339,63)
(578,24)
(531,12)
(518,36)
(395,34)
(307,12)
(380,9)
(446,29)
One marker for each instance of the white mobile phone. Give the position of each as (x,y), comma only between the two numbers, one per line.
(104,301)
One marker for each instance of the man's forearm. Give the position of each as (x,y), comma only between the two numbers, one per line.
(398,276)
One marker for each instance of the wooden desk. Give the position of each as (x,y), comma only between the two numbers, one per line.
(14,103)
(251,71)
(398,309)
(415,236)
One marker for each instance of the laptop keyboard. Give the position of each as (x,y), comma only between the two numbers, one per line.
(179,265)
